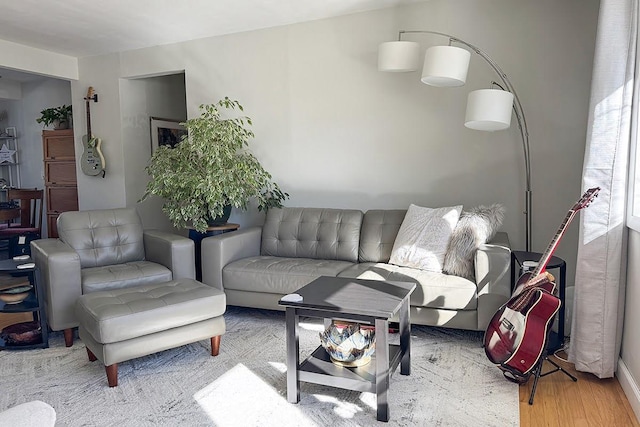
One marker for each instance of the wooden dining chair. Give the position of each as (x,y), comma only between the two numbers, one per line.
(31,208)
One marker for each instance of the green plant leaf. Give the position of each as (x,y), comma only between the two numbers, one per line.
(210,169)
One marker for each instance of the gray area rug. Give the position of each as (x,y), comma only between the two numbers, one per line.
(451,383)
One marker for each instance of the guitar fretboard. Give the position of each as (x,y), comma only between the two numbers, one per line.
(584,201)
(88,119)
(546,256)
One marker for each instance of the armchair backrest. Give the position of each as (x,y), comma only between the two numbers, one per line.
(103,237)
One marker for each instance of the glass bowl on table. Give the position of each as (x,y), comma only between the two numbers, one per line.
(349,344)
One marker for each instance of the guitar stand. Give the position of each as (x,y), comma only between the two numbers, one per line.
(538,374)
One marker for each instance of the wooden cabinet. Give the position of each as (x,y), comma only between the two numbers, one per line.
(59,175)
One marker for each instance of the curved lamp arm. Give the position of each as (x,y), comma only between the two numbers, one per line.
(518,111)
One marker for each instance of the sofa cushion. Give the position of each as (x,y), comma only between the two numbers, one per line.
(434,290)
(330,234)
(103,237)
(475,227)
(277,275)
(379,230)
(123,276)
(423,237)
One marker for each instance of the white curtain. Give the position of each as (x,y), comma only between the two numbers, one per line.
(601,265)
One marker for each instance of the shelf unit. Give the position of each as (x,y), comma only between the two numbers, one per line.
(9,164)
(60,179)
(33,304)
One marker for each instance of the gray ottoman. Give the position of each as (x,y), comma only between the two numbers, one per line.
(122,324)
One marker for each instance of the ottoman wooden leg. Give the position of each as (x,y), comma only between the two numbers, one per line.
(112,374)
(68,337)
(92,357)
(215,345)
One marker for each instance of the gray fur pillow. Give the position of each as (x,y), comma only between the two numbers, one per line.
(475,227)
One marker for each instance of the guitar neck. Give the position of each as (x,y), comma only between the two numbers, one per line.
(88,120)
(548,253)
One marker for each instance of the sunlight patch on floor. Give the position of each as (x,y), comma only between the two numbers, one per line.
(240,397)
(342,409)
(278,366)
(369,399)
(308,326)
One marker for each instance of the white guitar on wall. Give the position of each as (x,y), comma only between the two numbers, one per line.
(92,161)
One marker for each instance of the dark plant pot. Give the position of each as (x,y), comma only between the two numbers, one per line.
(220,220)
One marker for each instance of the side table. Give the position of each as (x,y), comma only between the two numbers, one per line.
(372,302)
(197,237)
(556,339)
(34,303)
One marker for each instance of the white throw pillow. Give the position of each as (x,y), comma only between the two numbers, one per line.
(423,237)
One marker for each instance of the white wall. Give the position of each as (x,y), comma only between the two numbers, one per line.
(36,96)
(10,89)
(141,99)
(335,132)
(629,369)
(102,73)
(26,58)
(13,108)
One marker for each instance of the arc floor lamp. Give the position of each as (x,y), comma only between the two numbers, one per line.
(487,109)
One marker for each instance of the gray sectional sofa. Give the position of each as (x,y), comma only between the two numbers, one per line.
(256,266)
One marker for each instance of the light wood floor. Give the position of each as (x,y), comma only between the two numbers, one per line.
(558,400)
(588,402)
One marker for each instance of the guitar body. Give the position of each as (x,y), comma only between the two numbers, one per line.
(515,339)
(92,161)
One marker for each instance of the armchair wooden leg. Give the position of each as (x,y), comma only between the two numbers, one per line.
(92,357)
(112,374)
(215,345)
(68,337)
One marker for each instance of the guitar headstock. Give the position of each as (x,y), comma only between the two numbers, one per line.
(91,95)
(586,198)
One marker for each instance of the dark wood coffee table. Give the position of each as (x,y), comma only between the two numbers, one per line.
(373,302)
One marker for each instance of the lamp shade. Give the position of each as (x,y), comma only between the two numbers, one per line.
(489,109)
(445,66)
(398,56)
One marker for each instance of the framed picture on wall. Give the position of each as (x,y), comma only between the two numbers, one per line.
(165,132)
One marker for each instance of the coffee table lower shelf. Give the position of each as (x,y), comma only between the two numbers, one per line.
(319,369)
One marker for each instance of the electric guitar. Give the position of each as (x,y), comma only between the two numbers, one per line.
(517,334)
(92,161)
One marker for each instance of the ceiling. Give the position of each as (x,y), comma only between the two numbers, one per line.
(85,28)
(82,28)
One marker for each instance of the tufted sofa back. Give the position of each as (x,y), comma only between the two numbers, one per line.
(103,237)
(312,233)
(379,231)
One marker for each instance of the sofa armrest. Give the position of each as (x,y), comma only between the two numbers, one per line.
(220,250)
(59,272)
(493,277)
(175,252)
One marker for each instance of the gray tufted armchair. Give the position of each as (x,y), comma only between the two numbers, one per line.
(101,250)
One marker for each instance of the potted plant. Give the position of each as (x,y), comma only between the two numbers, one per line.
(59,117)
(210,171)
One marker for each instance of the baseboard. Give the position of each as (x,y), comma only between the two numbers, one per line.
(629,386)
